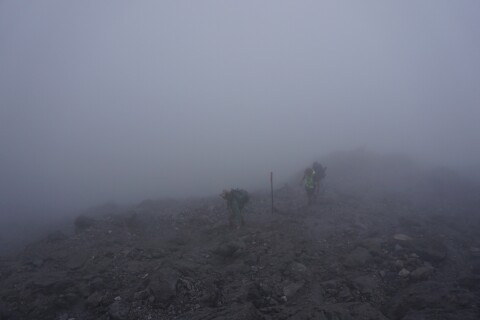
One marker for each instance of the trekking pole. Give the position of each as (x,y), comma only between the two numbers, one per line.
(271,187)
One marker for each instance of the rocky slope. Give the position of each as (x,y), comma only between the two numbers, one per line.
(343,258)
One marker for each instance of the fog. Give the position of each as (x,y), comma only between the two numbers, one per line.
(122,101)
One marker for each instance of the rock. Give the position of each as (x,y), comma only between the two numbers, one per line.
(56,236)
(432,295)
(291,289)
(38,262)
(66,300)
(76,261)
(342,311)
(259,293)
(404,273)
(4,312)
(239,312)
(430,249)
(373,245)
(357,258)
(236,269)
(96,284)
(472,283)
(402,237)
(365,284)
(212,294)
(52,280)
(95,299)
(162,288)
(475,252)
(82,223)
(229,249)
(344,294)
(184,286)
(296,271)
(421,273)
(428,314)
(298,268)
(399,264)
(119,310)
(141,295)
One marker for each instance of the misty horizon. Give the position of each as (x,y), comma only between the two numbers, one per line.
(123,102)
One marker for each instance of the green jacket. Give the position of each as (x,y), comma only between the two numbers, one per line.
(309,181)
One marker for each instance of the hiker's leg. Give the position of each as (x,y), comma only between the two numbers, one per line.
(236,212)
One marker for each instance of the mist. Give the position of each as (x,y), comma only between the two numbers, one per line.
(122,101)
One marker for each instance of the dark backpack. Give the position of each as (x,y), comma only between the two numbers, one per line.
(241,196)
(320,171)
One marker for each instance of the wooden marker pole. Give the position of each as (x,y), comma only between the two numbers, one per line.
(271,187)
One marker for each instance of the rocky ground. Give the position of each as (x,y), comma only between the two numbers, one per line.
(343,258)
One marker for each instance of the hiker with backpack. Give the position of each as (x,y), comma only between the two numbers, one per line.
(310,184)
(236,201)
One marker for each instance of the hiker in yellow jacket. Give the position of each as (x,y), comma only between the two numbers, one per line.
(310,184)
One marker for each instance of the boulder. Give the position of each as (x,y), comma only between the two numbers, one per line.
(119,310)
(421,273)
(357,258)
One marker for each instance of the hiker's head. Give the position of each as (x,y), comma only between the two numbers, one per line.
(308,171)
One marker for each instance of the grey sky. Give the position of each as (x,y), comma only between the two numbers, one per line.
(125,100)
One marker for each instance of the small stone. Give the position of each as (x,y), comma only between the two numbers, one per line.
(404,273)
(399,264)
(402,237)
(291,289)
(421,273)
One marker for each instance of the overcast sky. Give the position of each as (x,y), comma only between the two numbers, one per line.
(126,100)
